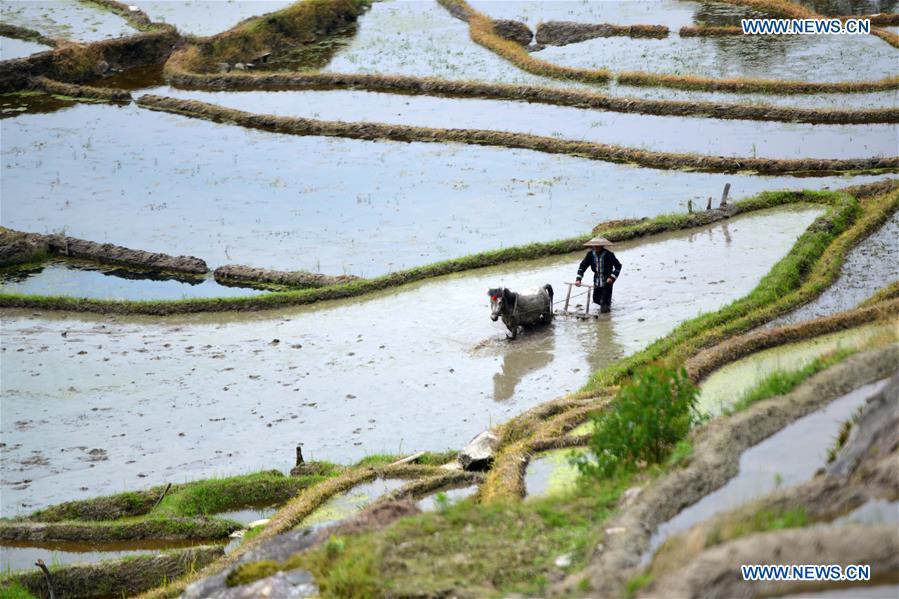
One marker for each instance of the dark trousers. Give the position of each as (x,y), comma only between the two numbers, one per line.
(603,297)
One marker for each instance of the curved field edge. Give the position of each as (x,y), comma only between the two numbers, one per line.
(425,86)
(528,430)
(505,139)
(615,231)
(481,30)
(812,265)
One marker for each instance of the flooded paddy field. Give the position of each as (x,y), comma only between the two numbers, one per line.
(787,458)
(551,473)
(63,277)
(347,504)
(13,48)
(232,195)
(674,15)
(850,7)
(661,133)
(206,17)
(428,368)
(872,265)
(803,58)
(728,384)
(22,555)
(65,19)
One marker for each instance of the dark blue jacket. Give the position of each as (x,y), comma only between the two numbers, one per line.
(603,263)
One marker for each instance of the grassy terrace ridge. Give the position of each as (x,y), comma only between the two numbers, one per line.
(615,231)
(812,265)
(482,32)
(562,525)
(483,137)
(26,34)
(301,22)
(425,86)
(111,578)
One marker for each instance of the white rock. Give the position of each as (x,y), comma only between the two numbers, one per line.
(563,561)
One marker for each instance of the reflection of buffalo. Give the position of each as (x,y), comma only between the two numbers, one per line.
(520,310)
(520,360)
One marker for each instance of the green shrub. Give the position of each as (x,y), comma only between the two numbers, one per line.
(649,416)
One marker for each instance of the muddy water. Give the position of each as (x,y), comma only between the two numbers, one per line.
(206,17)
(667,134)
(13,48)
(249,514)
(67,19)
(15,104)
(232,195)
(673,14)
(451,496)
(347,504)
(21,556)
(551,473)
(422,39)
(805,58)
(410,37)
(108,282)
(420,367)
(730,383)
(871,265)
(887,99)
(875,511)
(789,457)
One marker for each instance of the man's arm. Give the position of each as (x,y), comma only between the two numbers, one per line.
(583,267)
(616,269)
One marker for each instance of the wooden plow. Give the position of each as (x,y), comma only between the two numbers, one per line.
(572,312)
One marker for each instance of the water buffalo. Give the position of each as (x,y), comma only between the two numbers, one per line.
(519,309)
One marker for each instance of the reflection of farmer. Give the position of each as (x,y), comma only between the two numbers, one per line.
(606,269)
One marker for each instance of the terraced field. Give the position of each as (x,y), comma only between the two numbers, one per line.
(245,338)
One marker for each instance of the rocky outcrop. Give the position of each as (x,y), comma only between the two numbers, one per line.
(514,31)
(480,451)
(239,274)
(19,248)
(561,33)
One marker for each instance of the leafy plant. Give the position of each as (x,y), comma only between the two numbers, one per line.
(649,416)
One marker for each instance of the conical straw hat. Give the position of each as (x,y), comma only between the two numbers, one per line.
(598,241)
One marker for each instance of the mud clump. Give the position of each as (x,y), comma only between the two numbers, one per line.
(514,31)
(561,33)
(77,63)
(108,253)
(21,248)
(239,274)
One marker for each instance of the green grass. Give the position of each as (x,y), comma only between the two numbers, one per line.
(483,549)
(761,521)
(15,590)
(780,382)
(842,210)
(210,496)
(635,583)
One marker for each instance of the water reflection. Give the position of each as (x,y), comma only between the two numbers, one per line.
(532,354)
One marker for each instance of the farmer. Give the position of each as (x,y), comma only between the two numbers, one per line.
(606,269)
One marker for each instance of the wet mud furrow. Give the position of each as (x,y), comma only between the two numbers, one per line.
(593,151)
(237,274)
